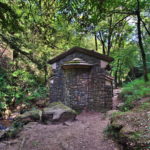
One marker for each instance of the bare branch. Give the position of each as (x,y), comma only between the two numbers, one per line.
(124,13)
(144,24)
(119,21)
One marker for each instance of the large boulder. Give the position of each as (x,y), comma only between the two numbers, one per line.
(30,116)
(54,112)
(58,112)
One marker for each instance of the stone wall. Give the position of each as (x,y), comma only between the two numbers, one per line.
(76,87)
(81,88)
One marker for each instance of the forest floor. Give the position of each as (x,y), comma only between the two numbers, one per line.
(86,133)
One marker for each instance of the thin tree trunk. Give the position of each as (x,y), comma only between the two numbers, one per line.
(45,73)
(140,41)
(96,47)
(109,36)
(109,44)
(102,42)
(116,74)
(120,73)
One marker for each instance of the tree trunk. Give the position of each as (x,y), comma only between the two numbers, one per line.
(109,44)
(45,73)
(120,74)
(96,47)
(109,36)
(116,74)
(140,41)
(102,42)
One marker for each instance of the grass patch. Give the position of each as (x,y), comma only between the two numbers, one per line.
(136,136)
(145,106)
(117,114)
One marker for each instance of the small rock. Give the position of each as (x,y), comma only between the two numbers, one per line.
(67,123)
(2,146)
(14,115)
(2,133)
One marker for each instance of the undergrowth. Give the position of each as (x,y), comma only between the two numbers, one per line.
(134,91)
(19,87)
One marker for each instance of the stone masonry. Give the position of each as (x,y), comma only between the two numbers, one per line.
(86,86)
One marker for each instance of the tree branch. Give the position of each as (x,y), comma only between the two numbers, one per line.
(17,49)
(119,21)
(124,13)
(144,24)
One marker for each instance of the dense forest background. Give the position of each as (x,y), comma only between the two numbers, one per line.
(34,31)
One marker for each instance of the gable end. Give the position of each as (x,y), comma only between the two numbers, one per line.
(81,50)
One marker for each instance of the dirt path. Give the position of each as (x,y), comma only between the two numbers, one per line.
(84,134)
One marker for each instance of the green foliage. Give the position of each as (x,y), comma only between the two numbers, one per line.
(14,130)
(133,91)
(40,30)
(112,132)
(123,60)
(19,87)
(117,114)
(12,133)
(145,106)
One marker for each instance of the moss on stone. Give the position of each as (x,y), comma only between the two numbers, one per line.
(132,128)
(73,61)
(33,114)
(59,105)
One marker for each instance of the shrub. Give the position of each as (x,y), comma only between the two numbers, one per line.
(19,86)
(133,91)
